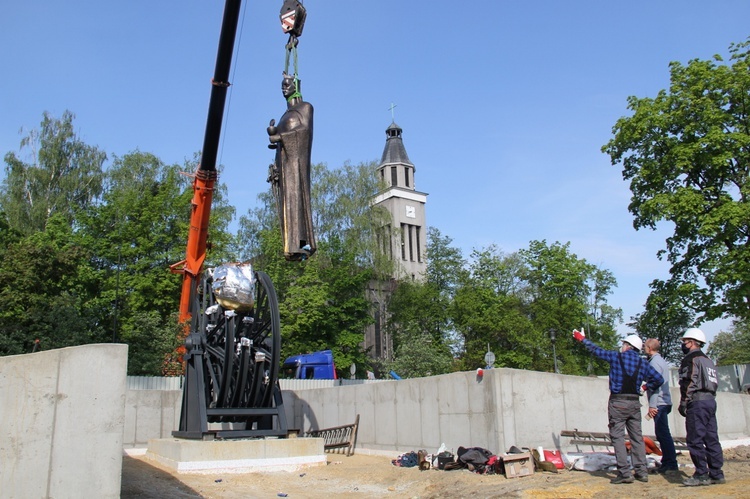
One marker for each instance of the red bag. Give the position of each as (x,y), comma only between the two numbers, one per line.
(554,457)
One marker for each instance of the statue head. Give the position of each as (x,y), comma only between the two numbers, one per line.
(290,86)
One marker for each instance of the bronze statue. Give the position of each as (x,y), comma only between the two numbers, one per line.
(290,173)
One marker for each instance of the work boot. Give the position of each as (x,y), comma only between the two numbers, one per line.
(668,471)
(718,480)
(622,479)
(696,480)
(642,478)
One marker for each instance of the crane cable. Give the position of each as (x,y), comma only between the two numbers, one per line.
(291,49)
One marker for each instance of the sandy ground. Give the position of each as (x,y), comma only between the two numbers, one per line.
(374,476)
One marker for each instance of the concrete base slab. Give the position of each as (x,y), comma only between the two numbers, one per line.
(237,456)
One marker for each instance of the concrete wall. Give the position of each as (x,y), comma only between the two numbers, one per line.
(505,407)
(150,414)
(62,416)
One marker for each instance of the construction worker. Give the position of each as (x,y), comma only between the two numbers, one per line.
(659,407)
(627,372)
(698,384)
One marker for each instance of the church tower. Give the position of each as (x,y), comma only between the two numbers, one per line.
(404,238)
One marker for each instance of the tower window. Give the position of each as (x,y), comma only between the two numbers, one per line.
(394,176)
(406,176)
(403,241)
(419,245)
(411,242)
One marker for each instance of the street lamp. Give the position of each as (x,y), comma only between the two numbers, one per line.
(554,352)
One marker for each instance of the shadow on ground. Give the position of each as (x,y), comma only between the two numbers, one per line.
(141,480)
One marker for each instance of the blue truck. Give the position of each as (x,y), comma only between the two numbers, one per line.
(316,365)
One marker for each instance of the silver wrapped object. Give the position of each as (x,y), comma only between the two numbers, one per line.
(234,286)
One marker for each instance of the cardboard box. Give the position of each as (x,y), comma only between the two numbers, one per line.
(517,465)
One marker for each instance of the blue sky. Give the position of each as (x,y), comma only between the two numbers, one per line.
(504,105)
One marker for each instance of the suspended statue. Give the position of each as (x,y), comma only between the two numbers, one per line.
(289,175)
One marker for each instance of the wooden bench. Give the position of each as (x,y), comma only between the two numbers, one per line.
(587,438)
(338,437)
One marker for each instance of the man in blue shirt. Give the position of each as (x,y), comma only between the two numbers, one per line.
(627,372)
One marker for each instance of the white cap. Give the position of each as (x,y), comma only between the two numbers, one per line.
(635,341)
(696,334)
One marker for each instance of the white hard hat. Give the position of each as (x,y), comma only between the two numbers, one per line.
(696,334)
(635,341)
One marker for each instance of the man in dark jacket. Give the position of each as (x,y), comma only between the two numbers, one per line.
(627,372)
(698,383)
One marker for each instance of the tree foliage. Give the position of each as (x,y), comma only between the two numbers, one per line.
(686,153)
(665,318)
(568,292)
(420,319)
(46,291)
(64,175)
(91,262)
(508,303)
(731,347)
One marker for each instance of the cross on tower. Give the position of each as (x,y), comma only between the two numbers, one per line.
(393,119)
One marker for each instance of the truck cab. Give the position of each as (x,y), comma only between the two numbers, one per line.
(316,365)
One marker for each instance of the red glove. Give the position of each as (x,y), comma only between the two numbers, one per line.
(579,335)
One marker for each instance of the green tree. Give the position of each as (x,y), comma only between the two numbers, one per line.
(419,326)
(686,153)
(489,310)
(568,292)
(46,289)
(134,235)
(665,318)
(731,347)
(418,355)
(64,175)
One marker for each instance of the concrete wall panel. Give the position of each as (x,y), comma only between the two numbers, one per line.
(728,407)
(539,407)
(28,397)
(429,412)
(364,396)
(584,401)
(409,433)
(63,412)
(386,418)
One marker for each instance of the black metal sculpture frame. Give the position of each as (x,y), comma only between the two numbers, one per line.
(232,368)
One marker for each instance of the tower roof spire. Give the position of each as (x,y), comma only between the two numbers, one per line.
(394,151)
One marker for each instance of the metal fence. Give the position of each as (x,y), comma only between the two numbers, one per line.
(175,383)
(154,383)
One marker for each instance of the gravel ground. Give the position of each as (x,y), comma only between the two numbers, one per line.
(374,476)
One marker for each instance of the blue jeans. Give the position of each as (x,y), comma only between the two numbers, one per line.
(664,436)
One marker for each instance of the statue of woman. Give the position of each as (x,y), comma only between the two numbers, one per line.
(290,173)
